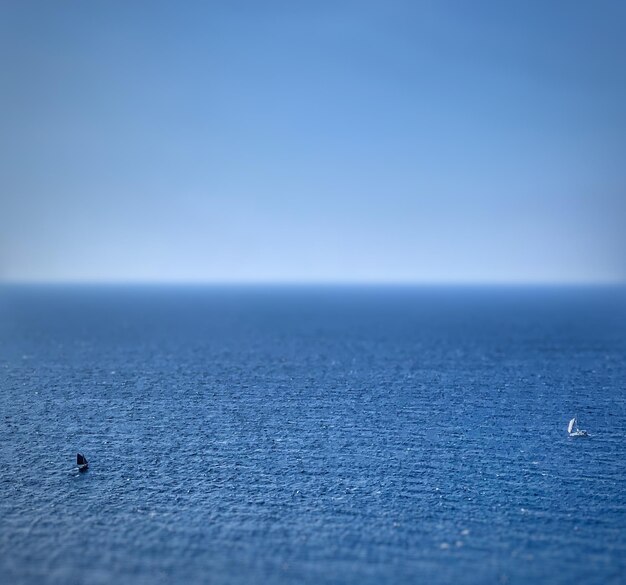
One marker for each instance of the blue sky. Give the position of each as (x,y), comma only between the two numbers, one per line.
(313,141)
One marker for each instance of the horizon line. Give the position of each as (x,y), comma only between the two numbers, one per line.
(311,283)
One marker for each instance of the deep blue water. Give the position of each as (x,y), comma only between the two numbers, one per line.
(312,435)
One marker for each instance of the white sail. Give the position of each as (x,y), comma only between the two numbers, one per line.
(570,426)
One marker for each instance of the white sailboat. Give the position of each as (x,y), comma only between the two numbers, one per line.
(574,431)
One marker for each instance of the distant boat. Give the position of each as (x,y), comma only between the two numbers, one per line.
(574,431)
(82,462)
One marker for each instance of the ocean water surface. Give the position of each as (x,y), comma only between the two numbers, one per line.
(323,435)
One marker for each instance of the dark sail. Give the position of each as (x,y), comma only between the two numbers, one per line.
(80,459)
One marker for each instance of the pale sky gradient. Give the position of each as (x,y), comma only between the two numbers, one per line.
(325,141)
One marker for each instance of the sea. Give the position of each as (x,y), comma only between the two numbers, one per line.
(312,435)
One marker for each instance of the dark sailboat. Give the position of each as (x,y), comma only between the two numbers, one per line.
(82,462)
